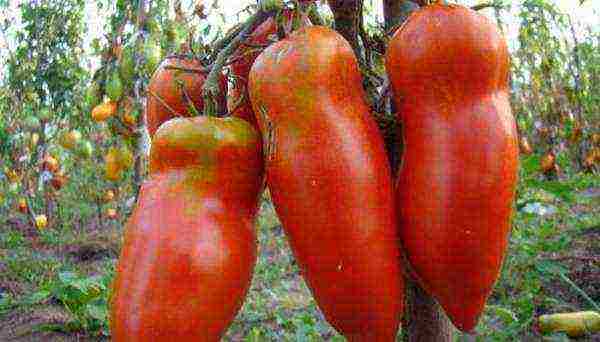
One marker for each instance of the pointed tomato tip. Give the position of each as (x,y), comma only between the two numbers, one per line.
(465,316)
(465,324)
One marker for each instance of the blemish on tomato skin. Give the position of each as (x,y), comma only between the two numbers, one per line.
(282,54)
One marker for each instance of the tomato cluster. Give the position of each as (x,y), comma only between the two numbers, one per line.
(303,124)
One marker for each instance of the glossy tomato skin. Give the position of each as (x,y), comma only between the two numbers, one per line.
(449,70)
(330,181)
(164,84)
(238,100)
(190,247)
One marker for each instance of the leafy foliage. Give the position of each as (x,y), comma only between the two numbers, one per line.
(554,83)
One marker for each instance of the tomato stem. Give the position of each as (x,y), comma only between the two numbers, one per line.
(211,88)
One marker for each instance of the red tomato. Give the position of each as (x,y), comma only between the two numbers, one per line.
(190,246)
(176,84)
(449,70)
(330,180)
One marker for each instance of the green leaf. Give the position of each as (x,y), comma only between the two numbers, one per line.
(549,267)
(254,335)
(98,312)
(114,86)
(507,316)
(38,297)
(67,277)
(80,284)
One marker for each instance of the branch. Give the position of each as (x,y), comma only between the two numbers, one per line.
(255,46)
(579,291)
(143,9)
(363,36)
(395,12)
(424,319)
(346,16)
(220,44)
(593,258)
(314,16)
(141,17)
(486,5)
(190,70)
(211,89)
(162,102)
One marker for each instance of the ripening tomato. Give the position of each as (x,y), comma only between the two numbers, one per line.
(330,180)
(449,69)
(190,247)
(174,88)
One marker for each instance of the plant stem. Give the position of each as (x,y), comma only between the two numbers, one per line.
(580,291)
(211,89)
(486,5)
(138,89)
(424,319)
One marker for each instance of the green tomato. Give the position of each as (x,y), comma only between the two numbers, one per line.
(152,55)
(93,95)
(114,86)
(85,149)
(127,64)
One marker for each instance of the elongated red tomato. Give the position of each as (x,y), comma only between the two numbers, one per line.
(449,70)
(330,181)
(190,246)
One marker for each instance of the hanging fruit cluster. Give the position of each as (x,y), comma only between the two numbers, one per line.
(299,116)
(111,99)
(52,165)
(129,60)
